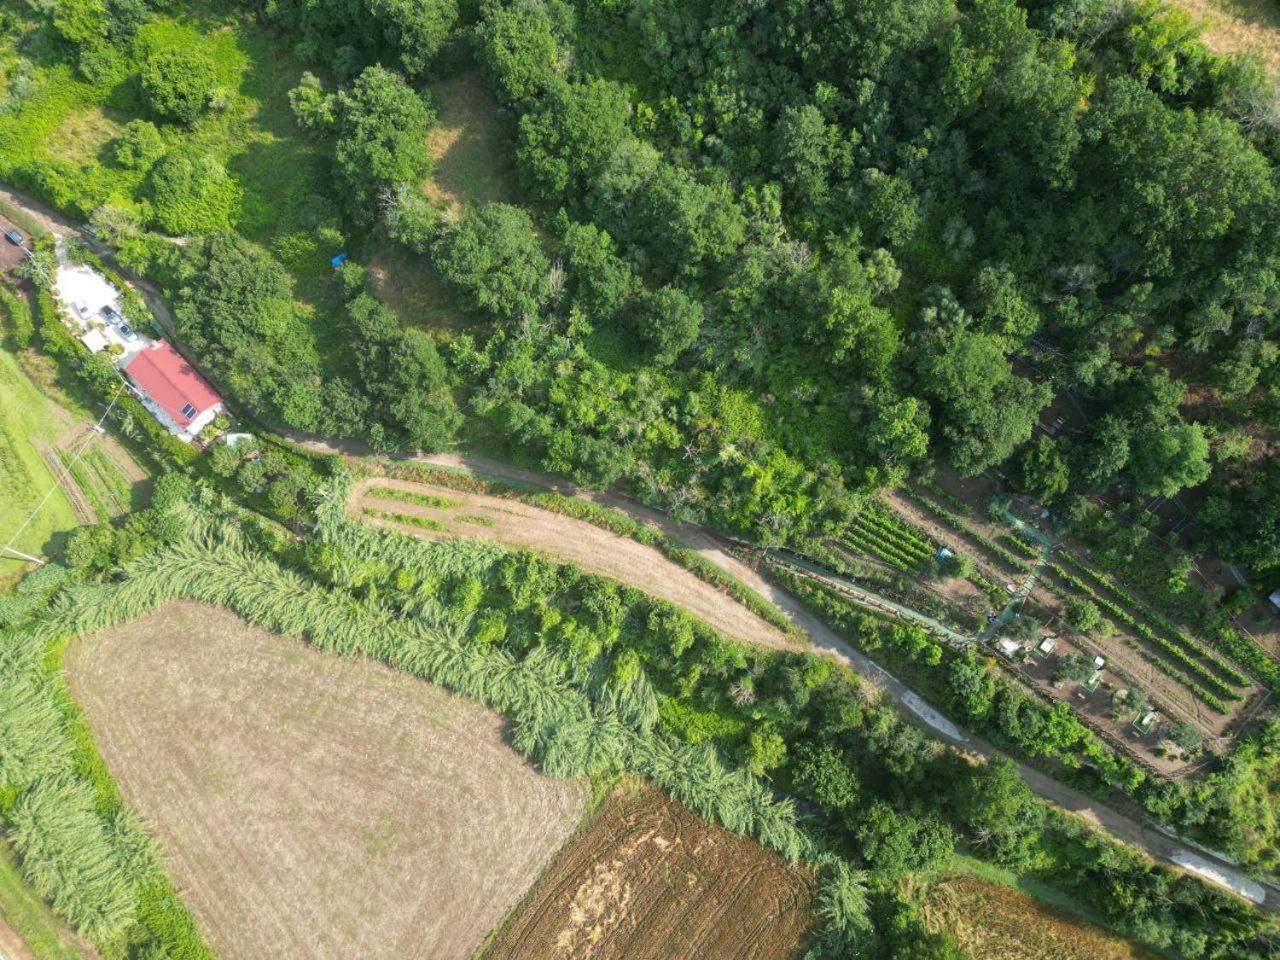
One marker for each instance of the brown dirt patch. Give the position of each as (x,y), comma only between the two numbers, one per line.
(572,540)
(315,806)
(649,880)
(997,923)
(11,945)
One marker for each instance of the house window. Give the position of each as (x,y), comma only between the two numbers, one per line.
(189,411)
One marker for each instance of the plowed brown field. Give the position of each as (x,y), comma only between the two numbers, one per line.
(649,880)
(311,806)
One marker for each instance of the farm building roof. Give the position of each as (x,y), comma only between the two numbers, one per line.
(162,373)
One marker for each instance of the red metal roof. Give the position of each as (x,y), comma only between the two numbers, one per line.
(161,373)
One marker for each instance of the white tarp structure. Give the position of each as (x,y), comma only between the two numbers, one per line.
(95,340)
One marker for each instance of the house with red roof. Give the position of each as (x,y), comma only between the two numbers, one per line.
(171,389)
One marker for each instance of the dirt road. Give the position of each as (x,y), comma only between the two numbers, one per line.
(11,945)
(584,544)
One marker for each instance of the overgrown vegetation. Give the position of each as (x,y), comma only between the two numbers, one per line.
(583,667)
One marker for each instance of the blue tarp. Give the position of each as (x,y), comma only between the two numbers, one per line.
(339,260)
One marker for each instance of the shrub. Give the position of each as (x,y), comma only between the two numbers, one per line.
(192,193)
(139,145)
(178,85)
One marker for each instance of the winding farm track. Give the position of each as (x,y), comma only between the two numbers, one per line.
(1140,833)
(583,544)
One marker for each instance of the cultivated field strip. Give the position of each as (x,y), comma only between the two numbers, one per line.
(648,880)
(311,805)
(446,512)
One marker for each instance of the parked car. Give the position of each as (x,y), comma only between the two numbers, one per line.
(127,331)
(81,308)
(14,237)
(109,314)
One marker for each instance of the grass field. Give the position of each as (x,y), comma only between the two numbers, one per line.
(997,915)
(28,417)
(648,880)
(998,923)
(310,805)
(472,151)
(471,146)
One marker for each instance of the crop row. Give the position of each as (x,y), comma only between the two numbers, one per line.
(412,496)
(1188,642)
(959,525)
(412,520)
(895,528)
(1236,646)
(896,544)
(866,542)
(1147,634)
(1020,545)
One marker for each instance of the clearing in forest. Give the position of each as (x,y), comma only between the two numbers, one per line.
(313,806)
(649,880)
(433,511)
(999,923)
(1239,26)
(470,146)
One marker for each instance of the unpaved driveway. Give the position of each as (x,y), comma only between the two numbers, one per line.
(11,945)
(566,538)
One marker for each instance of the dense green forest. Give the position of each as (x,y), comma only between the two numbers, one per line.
(767,257)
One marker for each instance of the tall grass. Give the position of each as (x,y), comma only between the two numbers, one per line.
(562,727)
(78,847)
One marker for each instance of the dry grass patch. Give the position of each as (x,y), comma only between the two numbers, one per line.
(649,880)
(1240,26)
(415,291)
(81,136)
(566,539)
(999,923)
(314,806)
(471,146)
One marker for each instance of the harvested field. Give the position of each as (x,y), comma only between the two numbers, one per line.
(465,514)
(999,923)
(649,880)
(313,806)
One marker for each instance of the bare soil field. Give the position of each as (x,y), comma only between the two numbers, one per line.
(649,880)
(565,538)
(999,923)
(313,806)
